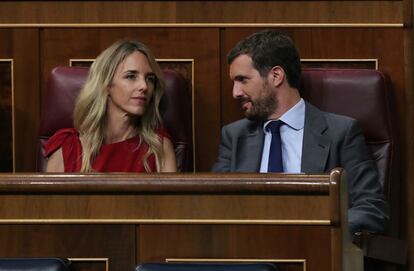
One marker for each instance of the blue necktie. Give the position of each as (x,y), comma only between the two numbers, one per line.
(275,154)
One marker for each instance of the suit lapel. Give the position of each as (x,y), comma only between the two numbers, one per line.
(249,150)
(316,144)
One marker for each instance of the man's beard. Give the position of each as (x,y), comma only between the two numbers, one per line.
(262,107)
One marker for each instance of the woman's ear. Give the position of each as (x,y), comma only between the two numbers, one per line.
(108,88)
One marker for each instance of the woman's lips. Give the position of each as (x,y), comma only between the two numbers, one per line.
(140,98)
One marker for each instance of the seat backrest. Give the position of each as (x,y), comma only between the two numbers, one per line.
(63,87)
(34,264)
(206,267)
(366,96)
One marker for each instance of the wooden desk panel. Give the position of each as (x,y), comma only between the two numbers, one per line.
(158,208)
(308,250)
(296,221)
(92,243)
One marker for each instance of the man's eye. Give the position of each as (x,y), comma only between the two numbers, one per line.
(241,79)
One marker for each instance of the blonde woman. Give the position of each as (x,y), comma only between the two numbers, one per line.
(116,118)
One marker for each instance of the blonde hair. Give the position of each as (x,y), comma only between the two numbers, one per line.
(91,105)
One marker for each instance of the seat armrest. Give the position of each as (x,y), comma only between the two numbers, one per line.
(381,247)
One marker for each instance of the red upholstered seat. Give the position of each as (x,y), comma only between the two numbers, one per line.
(63,87)
(365,95)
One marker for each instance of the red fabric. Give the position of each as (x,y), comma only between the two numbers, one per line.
(124,156)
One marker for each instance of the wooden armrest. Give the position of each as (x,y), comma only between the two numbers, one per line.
(381,247)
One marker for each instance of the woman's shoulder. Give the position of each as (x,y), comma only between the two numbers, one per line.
(66,136)
(163,132)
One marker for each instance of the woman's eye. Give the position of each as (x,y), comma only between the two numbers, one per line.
(130,76)
(152,79)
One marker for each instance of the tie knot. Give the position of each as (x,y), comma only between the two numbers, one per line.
(274,126)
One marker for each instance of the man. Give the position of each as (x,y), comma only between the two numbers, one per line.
(265,69)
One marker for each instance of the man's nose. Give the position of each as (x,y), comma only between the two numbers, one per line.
(237,91)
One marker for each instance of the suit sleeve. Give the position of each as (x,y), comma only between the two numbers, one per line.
(223,161)
(368,209)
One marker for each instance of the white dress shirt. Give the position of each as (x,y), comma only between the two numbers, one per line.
(291,134)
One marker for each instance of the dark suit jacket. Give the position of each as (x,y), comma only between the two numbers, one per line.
(329,141)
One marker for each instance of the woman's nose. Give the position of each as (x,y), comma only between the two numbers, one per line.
(142,85)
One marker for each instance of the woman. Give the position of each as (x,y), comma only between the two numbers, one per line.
(116,118)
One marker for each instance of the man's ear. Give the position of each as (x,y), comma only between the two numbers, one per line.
(277,76)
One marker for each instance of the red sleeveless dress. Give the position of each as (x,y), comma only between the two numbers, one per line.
(124,156)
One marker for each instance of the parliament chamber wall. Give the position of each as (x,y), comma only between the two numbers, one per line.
(194,38)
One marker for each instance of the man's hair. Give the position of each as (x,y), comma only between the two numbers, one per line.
(268,49)
(91,105)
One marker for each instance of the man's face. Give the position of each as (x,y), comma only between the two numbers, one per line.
(256,95)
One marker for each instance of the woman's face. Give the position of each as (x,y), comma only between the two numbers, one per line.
(132,86)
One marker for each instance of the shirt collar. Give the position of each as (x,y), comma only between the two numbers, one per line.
(294,117)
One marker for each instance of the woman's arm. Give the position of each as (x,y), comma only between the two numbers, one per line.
(170,164)
(55,162)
